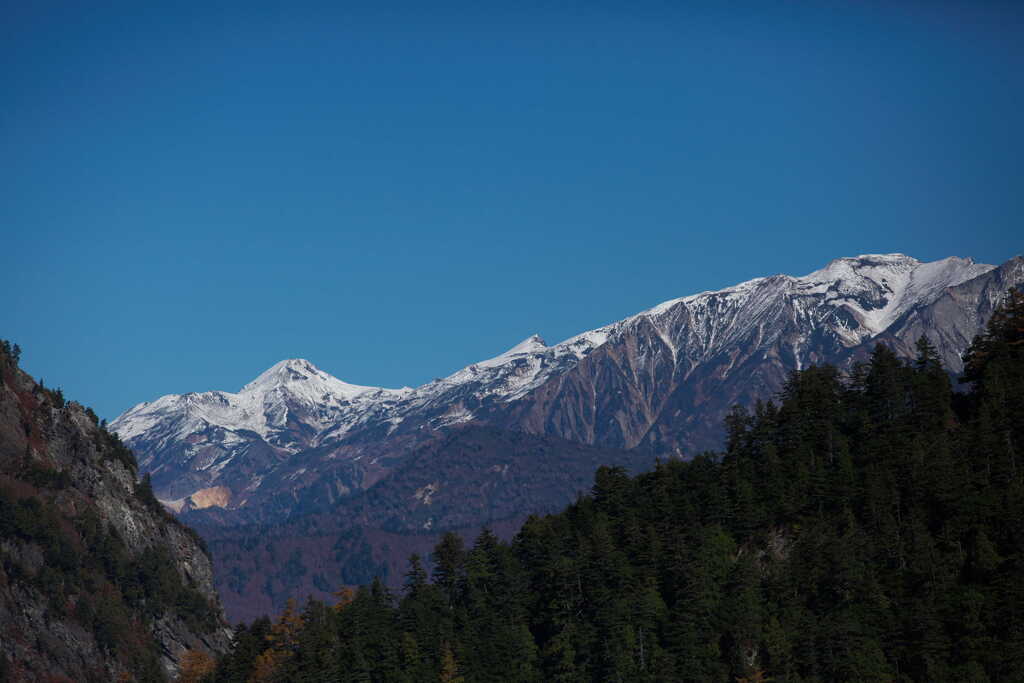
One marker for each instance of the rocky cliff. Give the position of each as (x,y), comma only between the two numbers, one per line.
(97,581)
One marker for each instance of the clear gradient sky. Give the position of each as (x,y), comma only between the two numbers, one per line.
(190,193)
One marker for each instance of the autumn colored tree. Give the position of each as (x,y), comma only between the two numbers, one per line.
(449,667)
(196,665)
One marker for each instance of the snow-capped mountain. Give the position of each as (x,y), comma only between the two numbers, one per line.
(661,380)
(294,406)
(290,406)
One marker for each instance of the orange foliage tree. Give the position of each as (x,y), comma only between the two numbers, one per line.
(195,666)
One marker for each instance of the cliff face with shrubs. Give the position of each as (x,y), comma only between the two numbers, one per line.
(97,581)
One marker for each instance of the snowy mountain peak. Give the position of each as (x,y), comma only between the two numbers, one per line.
(292,369)
(873,267)
(532,343)
(299,377)
(878,288)
(292,389)
(894,258)
(858,297)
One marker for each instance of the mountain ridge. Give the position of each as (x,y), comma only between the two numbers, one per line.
(595,337)
(669,360)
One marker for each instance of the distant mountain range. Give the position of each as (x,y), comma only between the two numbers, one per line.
(657,384)
(660,381)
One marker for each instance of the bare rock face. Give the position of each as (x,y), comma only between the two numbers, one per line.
(97,581)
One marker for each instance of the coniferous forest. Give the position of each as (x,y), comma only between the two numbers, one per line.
(867,527)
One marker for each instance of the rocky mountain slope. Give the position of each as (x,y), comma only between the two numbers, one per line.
(97,581)
(673,372)
(296,439)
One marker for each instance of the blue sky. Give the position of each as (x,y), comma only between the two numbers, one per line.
(191,193)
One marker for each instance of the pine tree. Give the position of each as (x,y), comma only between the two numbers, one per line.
(449,567)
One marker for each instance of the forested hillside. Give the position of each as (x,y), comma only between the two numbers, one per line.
(867,527)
